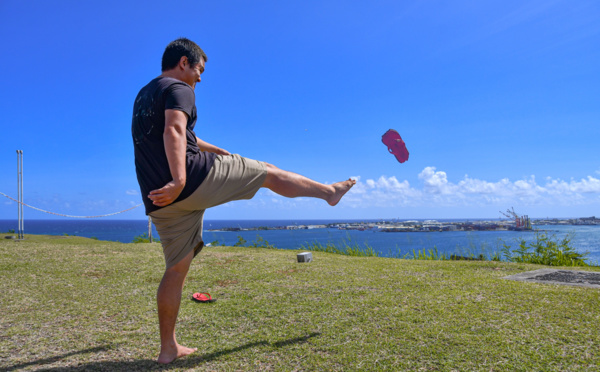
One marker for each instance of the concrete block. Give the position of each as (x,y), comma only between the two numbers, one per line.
(305,257)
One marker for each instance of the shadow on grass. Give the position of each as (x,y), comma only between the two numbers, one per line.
(147,364)
(57,358)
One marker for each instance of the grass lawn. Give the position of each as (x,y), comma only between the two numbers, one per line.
(76,304)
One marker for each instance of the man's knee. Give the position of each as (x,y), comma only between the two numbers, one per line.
(182,266)
(272,172)
(271,168)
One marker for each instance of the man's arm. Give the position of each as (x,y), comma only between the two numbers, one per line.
(205,146)
(175,146)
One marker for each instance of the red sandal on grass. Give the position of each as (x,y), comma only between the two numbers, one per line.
(203,297)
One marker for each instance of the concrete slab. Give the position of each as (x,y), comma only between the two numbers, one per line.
(304,257)
(587,279)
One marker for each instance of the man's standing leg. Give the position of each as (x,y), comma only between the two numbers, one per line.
(168,299)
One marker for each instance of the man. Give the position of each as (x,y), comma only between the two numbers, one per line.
(180,176)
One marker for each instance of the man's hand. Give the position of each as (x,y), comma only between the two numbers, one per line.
(220,151)
(166,194)
(208,147)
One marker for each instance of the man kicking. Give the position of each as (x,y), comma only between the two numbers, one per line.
(180,176)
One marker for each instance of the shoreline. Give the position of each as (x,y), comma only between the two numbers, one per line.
(423,226)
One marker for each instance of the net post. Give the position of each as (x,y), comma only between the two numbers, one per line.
(150,229)
(18,196)
(20,224)
(21,204)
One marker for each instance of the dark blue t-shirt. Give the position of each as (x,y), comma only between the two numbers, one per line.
(147,128)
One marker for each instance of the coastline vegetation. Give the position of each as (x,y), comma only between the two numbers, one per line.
(144,238)
(346,248)
(258,243)
(544,250)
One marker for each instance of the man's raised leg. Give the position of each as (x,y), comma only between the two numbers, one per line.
(168,299)
(293,185)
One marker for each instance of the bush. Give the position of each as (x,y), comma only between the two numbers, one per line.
(144,238)
(346,249)
(431,254)
(241,242)
(260,242)
(546,250)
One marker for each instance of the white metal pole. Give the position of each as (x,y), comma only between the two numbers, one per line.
(22,209)
(18,195)
(150,229)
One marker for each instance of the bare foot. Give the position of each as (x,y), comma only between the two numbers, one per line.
(341,188)
(167,356)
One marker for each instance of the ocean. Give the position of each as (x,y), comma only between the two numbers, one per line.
(387,244)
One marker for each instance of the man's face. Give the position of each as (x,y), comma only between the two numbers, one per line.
(192,73)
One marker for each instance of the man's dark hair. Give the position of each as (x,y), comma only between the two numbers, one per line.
(179,48)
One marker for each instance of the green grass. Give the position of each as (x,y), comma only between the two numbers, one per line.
(76,304)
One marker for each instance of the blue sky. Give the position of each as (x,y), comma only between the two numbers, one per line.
(497,101)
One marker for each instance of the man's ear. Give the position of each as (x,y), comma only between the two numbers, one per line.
(182,62)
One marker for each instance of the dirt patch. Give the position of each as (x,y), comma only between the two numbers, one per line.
(587,279)
(226,283)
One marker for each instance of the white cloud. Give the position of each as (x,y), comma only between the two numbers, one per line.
(437,190)
(435,182)
(132,192)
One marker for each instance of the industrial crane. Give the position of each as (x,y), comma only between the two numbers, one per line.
(521,222)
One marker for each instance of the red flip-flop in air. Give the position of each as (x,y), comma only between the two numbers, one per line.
(395,145)
(202,297)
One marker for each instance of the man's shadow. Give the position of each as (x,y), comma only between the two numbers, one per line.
(147,364)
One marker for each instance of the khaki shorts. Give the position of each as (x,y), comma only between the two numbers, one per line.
(179,225)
